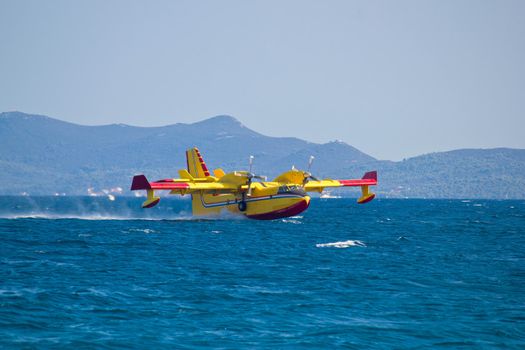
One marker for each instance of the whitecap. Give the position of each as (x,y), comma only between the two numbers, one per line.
(342,244)
(291,221)
(145,230)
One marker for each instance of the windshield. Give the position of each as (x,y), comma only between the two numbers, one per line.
(291,189)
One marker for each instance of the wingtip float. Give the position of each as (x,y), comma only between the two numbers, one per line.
(238,191)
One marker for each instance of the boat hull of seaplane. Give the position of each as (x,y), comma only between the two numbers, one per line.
(264,207)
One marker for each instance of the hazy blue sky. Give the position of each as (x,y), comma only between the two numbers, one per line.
(392,78)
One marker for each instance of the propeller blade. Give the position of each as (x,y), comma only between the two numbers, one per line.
(310,161)
(249,187)
(250,176)
(251,163)
(307,174)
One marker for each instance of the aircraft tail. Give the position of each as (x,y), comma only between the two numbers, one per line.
(198,169)
(196,165)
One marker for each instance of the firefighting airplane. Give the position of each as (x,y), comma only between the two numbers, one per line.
(237,192)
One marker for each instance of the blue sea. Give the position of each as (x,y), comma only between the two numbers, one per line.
(91,273)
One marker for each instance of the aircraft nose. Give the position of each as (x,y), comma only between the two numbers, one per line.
(307,199)
(298,205)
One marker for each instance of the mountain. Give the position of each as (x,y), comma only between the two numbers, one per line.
(42,155)
(467,173)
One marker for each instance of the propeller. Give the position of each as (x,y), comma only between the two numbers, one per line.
(251,163)
(307,174)
(310,161)
(252,176)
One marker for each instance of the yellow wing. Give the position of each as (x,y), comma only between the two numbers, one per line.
(182,186)
(369,179)
(318,186)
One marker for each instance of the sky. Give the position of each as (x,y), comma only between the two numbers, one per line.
(393,78)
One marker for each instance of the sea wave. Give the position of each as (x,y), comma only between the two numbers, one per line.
(342,244)
(103,217)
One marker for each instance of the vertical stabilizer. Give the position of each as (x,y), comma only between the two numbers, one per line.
(197,169)
(196,165)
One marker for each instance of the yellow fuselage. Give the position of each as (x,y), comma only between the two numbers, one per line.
(268,200)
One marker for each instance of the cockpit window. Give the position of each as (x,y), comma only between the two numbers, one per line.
(291,189)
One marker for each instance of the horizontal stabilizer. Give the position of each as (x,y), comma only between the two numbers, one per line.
(184,174)
(218,173)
